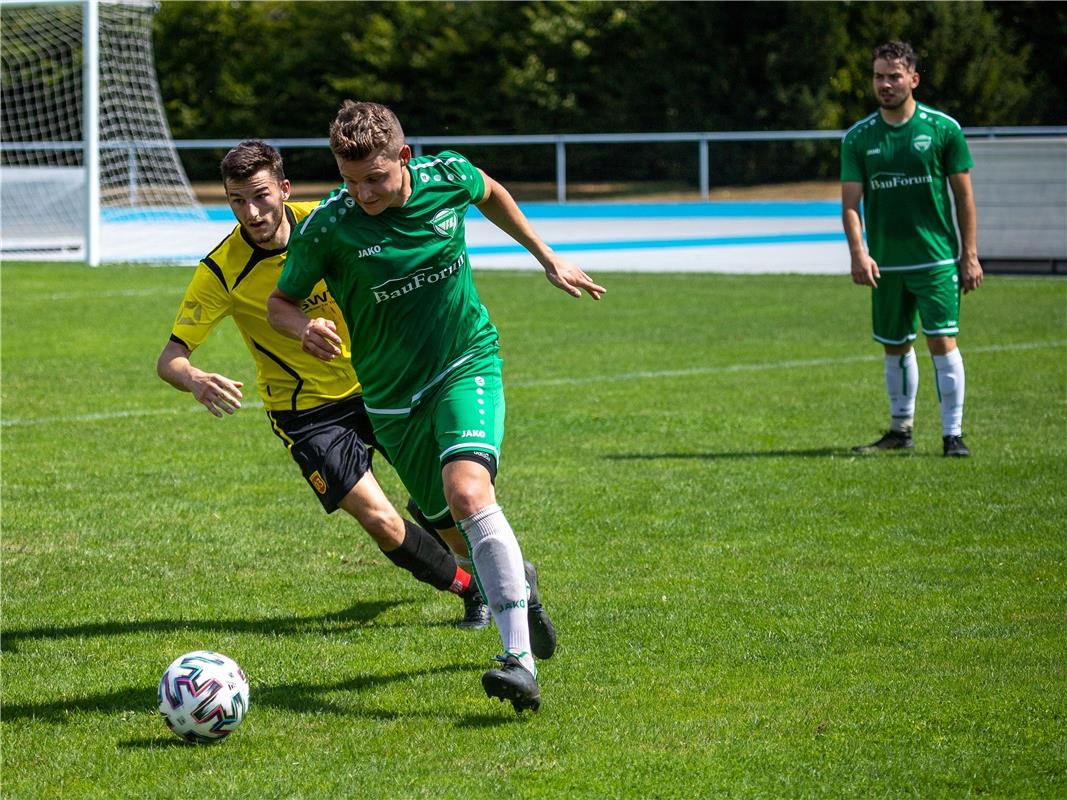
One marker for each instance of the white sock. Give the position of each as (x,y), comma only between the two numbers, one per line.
(501,578)
(902,386)
(950,387)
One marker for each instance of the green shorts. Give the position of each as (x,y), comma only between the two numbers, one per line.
(903,297)
(463,414)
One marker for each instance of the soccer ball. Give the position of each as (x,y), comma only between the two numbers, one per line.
(203,696)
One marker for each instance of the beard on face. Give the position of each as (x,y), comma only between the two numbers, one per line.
(891,102)
(266,233)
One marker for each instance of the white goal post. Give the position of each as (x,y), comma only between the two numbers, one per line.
(88,169)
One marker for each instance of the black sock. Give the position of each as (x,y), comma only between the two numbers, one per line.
(420,518)
(423,557)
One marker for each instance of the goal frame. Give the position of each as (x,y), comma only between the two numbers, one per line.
(90,114)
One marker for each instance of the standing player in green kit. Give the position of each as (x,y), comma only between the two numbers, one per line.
(898,162)
(391,248)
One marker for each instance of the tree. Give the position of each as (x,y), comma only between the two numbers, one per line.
(280,69)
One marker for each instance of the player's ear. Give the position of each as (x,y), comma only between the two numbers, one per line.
(286,188)
(405,155)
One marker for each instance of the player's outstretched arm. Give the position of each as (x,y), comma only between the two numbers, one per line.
(317,336)
(217,393)
(864,269)
(500,208)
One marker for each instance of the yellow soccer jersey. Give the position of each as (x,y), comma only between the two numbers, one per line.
(236,279)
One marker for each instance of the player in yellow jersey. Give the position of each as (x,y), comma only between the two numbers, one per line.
(316,408)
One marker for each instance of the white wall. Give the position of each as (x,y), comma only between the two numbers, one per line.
(1020,188)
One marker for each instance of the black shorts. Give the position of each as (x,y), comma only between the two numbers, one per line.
(332,444)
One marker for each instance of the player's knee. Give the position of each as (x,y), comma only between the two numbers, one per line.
(940,345)
(466,498)
(468,479)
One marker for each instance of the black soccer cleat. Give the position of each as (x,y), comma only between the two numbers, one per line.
(542,631)
(512,681)
(954,447)
(475,610)
(891,440)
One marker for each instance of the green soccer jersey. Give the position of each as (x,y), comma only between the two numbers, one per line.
(907,209)
(402,279)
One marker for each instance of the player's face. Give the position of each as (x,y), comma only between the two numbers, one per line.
(258,204)
(893,82)
(379,181)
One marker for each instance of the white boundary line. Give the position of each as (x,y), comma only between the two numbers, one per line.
(758,367)
(177,291)
(104,416)
(538,382)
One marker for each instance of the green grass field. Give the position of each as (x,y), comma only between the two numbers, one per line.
(745,609)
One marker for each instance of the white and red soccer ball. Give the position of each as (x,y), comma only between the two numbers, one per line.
(203,696)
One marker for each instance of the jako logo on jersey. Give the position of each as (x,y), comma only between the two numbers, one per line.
(369,251)
(874,151)
(398,287)
(922,142)
(315,479)
(445,222)
(477,434)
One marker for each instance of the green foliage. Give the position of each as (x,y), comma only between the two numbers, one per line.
(745,609)
(280,69)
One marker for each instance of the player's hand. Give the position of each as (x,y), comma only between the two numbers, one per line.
(217,393)
(320,339)
(971,273)
(865,271)
(572,279)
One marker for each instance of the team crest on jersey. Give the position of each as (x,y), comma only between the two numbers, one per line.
(445,222)
(316,480)
(922,142)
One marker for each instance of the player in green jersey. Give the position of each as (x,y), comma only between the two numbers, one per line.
(391,248)
(315,408)
(900,162)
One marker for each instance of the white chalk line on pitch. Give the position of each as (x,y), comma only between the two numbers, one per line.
(177,291)
(757,367)
(104,416)
(538,382)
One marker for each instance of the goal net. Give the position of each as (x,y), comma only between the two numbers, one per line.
(140,200)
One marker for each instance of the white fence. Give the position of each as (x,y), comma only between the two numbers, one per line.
(1020,190)
(1020,178)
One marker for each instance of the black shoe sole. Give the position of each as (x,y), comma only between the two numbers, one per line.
(542,633)
(496,684)
(472,625)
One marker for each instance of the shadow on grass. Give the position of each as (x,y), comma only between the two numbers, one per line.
(353,616)
(300,698)
(820,452)
(492,720)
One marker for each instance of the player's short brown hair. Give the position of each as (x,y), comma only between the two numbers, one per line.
(248,158)
(362,128)
(896,51)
